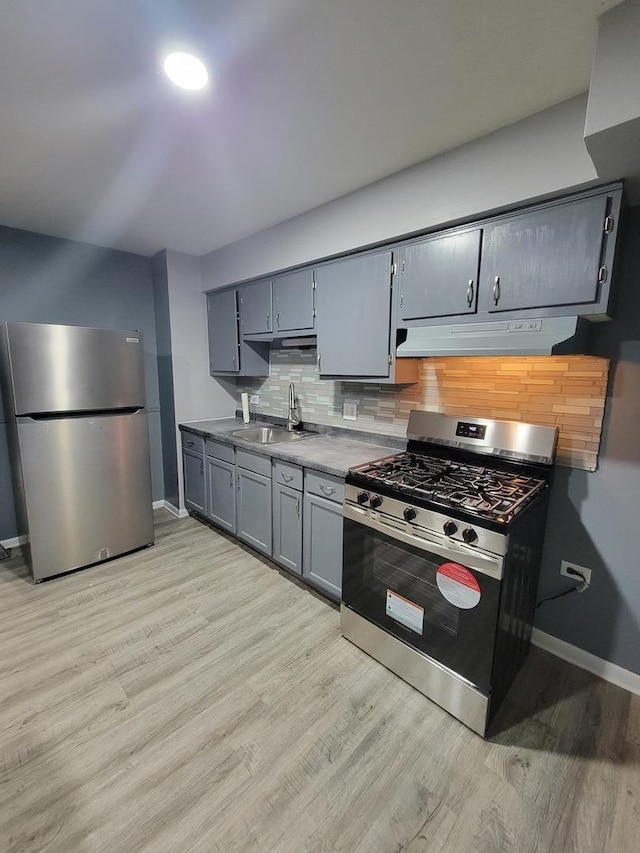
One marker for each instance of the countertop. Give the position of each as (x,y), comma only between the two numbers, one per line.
(327,453)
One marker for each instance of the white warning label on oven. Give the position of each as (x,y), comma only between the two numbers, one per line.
(404,611)
(458,585)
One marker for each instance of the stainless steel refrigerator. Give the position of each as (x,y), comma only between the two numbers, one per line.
(79,444)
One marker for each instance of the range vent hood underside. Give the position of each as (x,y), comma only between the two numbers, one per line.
(537,336)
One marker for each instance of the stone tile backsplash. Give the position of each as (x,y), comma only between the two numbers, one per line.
(564,391)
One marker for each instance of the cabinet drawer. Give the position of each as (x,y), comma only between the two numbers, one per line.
(192,442)
(324,485)
(288,475)
(218,450)
(254,462)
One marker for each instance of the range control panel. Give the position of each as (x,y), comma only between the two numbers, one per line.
(469,430)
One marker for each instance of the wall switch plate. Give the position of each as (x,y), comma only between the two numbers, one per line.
(255,399)
(573,571)
(350,410)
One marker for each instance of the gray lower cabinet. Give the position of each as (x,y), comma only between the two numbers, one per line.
(323,520)
(253,509)
(194,482)
(221,492)
(287,527)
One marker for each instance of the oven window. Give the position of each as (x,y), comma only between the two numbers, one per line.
(394,569)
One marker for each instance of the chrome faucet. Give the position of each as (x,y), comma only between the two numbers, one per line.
(293,418)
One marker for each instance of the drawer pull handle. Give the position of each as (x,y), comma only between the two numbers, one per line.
(286,477)
(298,507)
(190,443)
(470,293)
(496,290)
(328,490)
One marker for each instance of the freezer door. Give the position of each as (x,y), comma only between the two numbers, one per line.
(73,369)
(87,487)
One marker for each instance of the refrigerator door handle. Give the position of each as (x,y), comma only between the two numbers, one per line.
(65,416)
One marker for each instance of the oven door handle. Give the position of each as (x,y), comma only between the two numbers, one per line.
(468,556)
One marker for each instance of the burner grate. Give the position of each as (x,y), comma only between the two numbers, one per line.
(483,491)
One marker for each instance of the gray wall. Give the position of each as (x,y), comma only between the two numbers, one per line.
(47,280)
(541,155)
(593,517)
(165,377)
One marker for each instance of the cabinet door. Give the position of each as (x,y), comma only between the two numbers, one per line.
(293,301)
(253,509)
(439,277)
(322,561)
(353,302)
(221,493)
(546,257)
(194,491)
(287,527)
(222,317)
(255,307)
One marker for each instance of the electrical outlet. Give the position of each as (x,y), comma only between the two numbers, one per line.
(255,399)
(573,571)
(350,410)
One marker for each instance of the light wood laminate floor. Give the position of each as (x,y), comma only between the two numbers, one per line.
(190,697)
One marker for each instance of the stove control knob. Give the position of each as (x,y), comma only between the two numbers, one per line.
(362,497)
(375,501)
(450,527)
(409,513)
(469,535)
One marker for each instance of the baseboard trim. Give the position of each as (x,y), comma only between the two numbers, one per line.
(179,513)
(610,672)
(14,542)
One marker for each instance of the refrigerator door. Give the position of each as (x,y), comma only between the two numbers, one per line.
(87,488)
(74,369)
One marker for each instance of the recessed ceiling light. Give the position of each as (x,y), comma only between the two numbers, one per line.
(186,70)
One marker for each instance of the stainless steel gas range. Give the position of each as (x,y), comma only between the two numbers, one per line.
(442,549)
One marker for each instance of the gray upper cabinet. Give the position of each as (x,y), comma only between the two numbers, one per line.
(548,257)
(293,302)
(439,276)
(353,301)
(221,493)
(255,308)
(222,316)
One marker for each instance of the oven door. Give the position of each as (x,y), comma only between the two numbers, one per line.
(441,598)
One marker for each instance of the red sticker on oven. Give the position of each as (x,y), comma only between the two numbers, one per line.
(458,585)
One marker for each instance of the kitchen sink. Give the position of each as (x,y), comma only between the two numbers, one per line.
(269,435)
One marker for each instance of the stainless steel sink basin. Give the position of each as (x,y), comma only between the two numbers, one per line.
(268,435)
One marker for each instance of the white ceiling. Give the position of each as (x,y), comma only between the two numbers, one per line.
(312,99)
